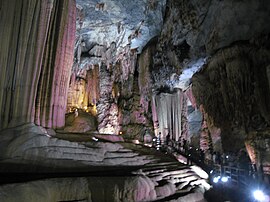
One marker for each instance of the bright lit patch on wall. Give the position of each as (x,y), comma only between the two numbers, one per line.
(200,172)
(136,141)
(47,135)
(184,79)
(85,107)
(206,185)
(148,145)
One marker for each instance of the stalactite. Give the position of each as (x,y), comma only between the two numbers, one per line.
(93,84)
(170,108)
(56,68)
(184,121)
(232,88)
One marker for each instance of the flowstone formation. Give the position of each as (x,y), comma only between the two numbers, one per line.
(150,184)
(35,62)
(123,170)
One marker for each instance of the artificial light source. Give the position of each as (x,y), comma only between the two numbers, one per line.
(216,179)
(224,179)
(259,195)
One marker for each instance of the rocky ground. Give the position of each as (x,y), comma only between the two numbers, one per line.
(39,167)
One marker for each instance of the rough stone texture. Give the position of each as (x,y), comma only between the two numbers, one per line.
(120,22)
(32,144)
(231,39)
(211,25)
(83,122)
(142,186)
(234,91)
(36,57)
(61,189)
(110,34)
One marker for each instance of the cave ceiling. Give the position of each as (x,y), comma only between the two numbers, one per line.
(191,32)
(120,22)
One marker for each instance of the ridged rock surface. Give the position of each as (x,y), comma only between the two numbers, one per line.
(36,58)
(32,144)
(159,181)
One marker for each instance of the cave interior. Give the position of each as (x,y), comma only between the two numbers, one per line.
(87,87)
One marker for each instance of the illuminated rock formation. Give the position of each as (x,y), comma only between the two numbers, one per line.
(106,51)
(36,60)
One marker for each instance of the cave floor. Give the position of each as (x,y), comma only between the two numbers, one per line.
(23,171)
(18,170)
(141,149)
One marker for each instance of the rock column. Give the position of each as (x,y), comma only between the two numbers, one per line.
(36,56)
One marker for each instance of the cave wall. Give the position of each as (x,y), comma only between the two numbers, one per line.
(234,91)
(36,57)
(229,43)
(112,62)
(233,88)
(206,26)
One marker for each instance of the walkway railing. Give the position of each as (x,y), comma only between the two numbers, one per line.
(237,176)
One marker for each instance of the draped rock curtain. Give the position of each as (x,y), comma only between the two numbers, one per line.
(167,112)
(36,55)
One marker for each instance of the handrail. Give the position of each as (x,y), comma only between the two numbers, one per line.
(238,176)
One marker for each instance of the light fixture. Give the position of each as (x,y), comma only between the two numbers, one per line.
(259,195)
(224,179)
(216,179)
